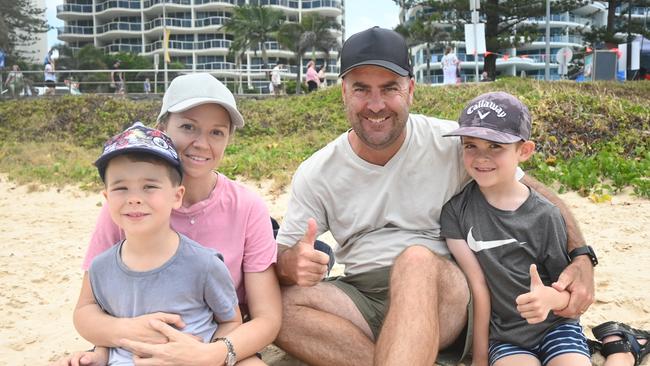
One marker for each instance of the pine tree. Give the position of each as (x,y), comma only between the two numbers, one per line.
(20,22)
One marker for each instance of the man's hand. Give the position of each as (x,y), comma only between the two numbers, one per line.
(88,358)
(578,279)
(180,349)
(302,264)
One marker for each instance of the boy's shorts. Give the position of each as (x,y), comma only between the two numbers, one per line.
(369,292)
(561,339)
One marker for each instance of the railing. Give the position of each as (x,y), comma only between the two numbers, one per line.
(232,2)
(189,45)
(75,29)
(121,4)
(76,8)
(206,22)
(170,22)
(123,47)
(150,3)
(313,4)
(636,10)
(562,18)
(122,26)
(285,3)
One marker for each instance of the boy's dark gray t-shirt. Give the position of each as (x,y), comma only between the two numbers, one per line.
(194,283)
(506,243)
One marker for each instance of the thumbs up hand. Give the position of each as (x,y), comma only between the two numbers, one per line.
(535,305)
(302,264)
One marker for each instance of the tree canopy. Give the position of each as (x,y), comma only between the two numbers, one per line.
(20,22)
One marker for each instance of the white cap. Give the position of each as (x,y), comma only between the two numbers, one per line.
(191,90)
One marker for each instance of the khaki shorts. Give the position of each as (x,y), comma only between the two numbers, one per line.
(369,292)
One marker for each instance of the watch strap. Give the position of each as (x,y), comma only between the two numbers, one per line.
(584,250)
(231,356)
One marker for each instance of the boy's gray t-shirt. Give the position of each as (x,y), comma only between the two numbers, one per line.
(194,284)
(506,243)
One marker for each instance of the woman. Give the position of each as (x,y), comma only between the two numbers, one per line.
(199,114)
(312,76)
(449,65)
(15,82)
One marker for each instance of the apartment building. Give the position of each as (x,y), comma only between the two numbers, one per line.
(197,38)
(529,58)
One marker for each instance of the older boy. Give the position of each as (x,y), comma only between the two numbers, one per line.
(500,231)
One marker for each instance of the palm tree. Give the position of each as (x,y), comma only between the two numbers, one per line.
(313,33)
(252,26)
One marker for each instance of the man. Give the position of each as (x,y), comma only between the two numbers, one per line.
(117,78)
(388,179)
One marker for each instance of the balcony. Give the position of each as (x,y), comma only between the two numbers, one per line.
(170,22)
(562,39)
(71,12)
(217,65)
(213,44)
(565,18)
(118,4)
(121,47)
(150,3)
(210,21)
(231,2)
(313,4)
(285,3)
(74,30)
(119,26)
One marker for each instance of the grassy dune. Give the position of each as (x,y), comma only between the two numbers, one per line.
(591,137)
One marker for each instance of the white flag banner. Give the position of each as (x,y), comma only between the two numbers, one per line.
(475,45)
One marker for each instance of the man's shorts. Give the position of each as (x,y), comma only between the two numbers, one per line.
(561,339)
(369,292)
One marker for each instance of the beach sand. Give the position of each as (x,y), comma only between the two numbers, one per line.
(45,232)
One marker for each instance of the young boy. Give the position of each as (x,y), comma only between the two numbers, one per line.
(510,242)
(156,269)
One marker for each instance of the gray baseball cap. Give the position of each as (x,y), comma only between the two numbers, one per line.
(495,116)
(191,90)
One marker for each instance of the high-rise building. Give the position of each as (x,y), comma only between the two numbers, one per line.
(37,49)
(197,38)
(529,58)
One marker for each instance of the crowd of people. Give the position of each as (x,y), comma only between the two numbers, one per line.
(450,249)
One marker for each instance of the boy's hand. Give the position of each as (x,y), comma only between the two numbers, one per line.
(302,264)
(148,334)
(86,358)
(535,305)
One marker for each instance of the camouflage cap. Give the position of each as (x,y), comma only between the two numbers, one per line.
(495,116)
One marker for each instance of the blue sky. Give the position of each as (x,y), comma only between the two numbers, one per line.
(359,15)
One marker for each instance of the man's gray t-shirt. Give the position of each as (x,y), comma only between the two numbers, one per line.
(506,243)
(194,284)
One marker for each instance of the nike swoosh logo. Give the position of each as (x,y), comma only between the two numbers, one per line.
(478,245)
(481,115)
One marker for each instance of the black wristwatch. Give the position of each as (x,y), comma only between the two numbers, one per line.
(585,250)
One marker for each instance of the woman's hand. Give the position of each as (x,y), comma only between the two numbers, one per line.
(86,358)
(180,349)
(145,333)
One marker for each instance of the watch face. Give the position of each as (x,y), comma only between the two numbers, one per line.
(230,359)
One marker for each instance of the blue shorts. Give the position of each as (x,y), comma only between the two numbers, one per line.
(564,338)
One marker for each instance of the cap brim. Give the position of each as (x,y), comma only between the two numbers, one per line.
(235,117)
(385,64)
(485,134)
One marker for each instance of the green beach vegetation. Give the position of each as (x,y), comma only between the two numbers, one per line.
(593,138)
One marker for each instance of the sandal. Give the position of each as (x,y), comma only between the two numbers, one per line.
(629,343)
